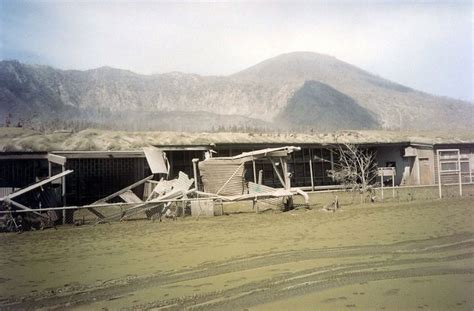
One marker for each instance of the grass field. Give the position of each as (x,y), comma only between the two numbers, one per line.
(392,256)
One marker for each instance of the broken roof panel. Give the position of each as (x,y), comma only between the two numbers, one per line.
(223,176)
(156,160)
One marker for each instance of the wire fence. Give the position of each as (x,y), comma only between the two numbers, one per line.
(318,199)
(396,194)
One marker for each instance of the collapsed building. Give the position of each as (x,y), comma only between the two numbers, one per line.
(97,174)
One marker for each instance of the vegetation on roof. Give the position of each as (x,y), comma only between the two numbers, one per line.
(19,139)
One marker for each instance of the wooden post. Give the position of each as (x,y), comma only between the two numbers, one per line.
(439,175)
(254,172)
(393,184)
(49,169)
(332,162)
(311,173)
(470,171)
(286,177)
(63,186)
(459,174)
(255,205)
(381,183)
(195,161)
(260,177)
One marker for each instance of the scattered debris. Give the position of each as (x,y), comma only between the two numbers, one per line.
(157,203)
(30,217)
(224,177)
(223,180)
(333,206)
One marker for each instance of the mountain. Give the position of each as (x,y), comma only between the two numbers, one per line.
(297,91)
(316,103)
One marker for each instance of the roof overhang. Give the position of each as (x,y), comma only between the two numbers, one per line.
(23,155)
(98,154)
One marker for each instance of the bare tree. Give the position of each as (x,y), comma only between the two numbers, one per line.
(356,167)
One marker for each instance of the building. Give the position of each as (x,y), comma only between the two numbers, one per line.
(99,173)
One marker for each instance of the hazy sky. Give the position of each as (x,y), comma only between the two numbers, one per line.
(425,45)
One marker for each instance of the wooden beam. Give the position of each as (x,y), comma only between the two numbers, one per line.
(284,167)
(36,185)
(96,212)
(113,195)
(254,172)
(21,206)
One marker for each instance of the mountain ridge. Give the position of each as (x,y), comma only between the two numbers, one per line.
(260,92)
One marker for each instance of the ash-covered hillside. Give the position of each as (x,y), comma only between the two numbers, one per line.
(298,91)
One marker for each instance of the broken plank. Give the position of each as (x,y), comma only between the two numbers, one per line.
(96,212)
(130,197)
(113,195)
(21,206)
(36,185)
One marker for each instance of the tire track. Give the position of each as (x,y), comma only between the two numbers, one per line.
(82,295)
(309,281)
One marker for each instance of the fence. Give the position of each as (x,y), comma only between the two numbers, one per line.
(397,194)
(318,199)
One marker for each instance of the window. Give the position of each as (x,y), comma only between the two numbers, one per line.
(449,166)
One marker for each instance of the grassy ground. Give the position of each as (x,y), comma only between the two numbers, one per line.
(397,255)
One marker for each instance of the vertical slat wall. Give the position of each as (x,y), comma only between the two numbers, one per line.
(21,173)
(94,179)
(181,160)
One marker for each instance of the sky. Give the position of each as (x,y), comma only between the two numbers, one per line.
(423,45)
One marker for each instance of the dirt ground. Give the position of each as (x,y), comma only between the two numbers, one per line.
(393,256)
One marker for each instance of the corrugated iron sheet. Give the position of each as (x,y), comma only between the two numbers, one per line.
(225,177)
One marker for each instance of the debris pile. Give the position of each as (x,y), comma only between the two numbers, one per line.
(223,180)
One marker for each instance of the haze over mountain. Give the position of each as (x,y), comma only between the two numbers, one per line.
(297,91)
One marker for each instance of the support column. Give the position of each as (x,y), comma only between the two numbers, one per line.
(460,174)
(393,184)
(63,187)
(195,161)
(332,162)
(439,174)
(254,172)
(381,184)
(286,178)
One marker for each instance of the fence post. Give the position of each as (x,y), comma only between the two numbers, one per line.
(254,172)
(393,184)
(63,191)
(381,183)
(439,175)
(459,173)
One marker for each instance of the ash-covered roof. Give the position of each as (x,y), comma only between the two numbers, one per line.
(17,139)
